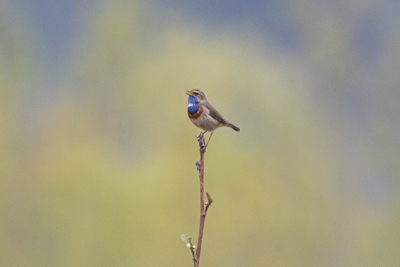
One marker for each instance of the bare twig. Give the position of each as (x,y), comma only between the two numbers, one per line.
(203,207)
(193,254)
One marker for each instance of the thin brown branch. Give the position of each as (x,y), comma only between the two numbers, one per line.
(193,254)
(200,168)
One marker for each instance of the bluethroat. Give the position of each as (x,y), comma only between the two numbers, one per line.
(203,115)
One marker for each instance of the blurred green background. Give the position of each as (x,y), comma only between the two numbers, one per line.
(97,158)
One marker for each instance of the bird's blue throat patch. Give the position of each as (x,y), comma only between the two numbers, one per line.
(192,105)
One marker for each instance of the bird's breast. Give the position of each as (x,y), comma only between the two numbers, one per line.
(196,115)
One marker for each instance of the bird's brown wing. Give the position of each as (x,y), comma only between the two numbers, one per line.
(215,114)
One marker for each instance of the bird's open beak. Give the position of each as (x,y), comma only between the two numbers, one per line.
(189,93)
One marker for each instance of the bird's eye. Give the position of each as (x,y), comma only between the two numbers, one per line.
(195,93)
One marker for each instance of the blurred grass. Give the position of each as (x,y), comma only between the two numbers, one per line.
(104,174)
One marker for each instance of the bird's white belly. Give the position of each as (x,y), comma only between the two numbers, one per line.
(206,122)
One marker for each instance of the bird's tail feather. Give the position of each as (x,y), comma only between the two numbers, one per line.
(233,127)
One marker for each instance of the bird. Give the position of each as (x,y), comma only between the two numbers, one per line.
(204,115)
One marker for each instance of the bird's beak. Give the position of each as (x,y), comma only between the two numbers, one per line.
(189,93)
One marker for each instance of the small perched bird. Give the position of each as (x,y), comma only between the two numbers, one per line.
(203,115)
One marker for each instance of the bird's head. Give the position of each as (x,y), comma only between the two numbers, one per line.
(197,93)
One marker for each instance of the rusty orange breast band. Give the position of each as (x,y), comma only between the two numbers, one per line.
(197,114)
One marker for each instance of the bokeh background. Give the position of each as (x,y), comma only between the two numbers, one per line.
(97,158)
